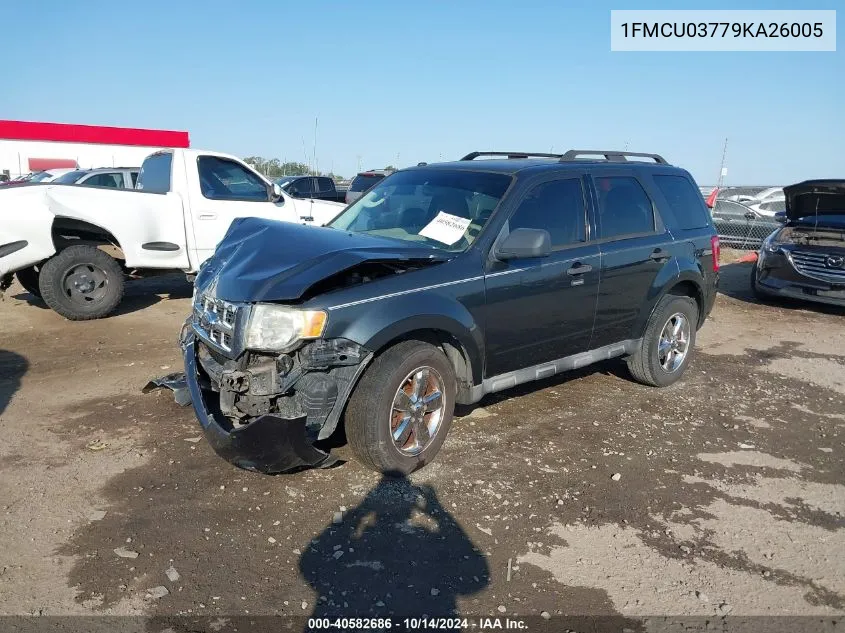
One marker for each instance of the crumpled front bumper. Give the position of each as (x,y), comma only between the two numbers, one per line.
(269,444)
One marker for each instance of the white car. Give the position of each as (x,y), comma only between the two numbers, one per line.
(73,245)
(49,175)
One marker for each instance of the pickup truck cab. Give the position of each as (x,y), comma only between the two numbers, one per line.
(441,284)
(74,245)
(313,187)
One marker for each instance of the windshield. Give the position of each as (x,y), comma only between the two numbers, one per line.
(284,180)
(41,176)
(440,208)
(70,177)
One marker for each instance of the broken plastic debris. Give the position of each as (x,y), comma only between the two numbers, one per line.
(176,382)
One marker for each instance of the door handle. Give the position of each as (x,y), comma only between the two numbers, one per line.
(659,255)
(207,216)
(578,269)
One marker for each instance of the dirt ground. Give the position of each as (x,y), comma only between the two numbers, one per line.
(730,500)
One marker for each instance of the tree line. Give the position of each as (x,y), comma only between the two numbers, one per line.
(274,168)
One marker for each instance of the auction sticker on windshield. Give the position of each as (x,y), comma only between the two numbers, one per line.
(446,228)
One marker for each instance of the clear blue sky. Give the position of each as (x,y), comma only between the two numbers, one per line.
(424,80)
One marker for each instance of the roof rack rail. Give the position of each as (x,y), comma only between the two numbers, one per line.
(510,155)
(613,156)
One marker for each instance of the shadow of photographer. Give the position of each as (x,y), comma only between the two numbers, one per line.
(399,553)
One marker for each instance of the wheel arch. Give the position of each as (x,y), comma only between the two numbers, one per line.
(684,284)
(445,333)
(66,231)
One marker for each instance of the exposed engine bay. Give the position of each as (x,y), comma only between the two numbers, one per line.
(812,236)
(306,383)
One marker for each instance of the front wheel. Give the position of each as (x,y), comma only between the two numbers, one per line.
(666,347)
(81,283)
(399,414)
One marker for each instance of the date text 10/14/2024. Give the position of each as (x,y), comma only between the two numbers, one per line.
(413,624)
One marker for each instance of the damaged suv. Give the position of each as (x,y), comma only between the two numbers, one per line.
(806,258)
(441,284)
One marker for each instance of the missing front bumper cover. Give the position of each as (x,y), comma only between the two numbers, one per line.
(268,415)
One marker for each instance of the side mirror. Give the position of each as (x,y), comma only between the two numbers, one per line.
(276,193)
(780,216)
(523,243)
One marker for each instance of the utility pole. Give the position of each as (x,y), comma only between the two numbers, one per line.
(314,166)
(723,171)
(359,162)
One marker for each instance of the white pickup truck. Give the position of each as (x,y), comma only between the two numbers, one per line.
(74,245)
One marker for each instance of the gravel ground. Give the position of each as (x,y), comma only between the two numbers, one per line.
(586,494)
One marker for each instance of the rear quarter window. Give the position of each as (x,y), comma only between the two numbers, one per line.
(154,176)
(685,201)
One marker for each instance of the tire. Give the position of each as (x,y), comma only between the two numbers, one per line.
(81,283)
(28,278)
(371,419)
(645,363)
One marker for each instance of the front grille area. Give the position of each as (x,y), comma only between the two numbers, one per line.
(217,321)
(819,266)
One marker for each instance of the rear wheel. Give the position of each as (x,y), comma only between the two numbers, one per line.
(28,278)
(666,347)
(399,414)
(81,283)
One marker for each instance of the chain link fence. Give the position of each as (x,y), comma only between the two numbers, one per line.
(745,215)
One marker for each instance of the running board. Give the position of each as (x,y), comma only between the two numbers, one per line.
(548,369)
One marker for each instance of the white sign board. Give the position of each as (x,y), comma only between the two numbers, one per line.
(446,228)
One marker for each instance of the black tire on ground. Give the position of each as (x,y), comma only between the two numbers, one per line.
(644,364)
(28,278)
(370,415)
(81,283)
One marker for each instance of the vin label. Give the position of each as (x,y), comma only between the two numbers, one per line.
(723,30)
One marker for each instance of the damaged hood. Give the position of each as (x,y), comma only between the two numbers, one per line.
(811,197)
(267,260)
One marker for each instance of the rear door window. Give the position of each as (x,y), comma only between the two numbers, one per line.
(110,179)
(685,201)
(325,185)
(557,207)
(624,207)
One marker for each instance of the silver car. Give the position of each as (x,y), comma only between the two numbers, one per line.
(115,177)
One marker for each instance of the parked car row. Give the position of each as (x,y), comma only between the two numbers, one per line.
(115,177)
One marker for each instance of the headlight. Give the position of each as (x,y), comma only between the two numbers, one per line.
(772,244)
(277,328)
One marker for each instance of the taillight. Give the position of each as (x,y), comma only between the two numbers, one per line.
(717,251)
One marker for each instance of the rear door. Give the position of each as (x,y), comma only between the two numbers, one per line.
(635,246)
(542,309)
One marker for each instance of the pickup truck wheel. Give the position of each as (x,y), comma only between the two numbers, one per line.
(28,278)
(81,283)
(400,412)
(666,347)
